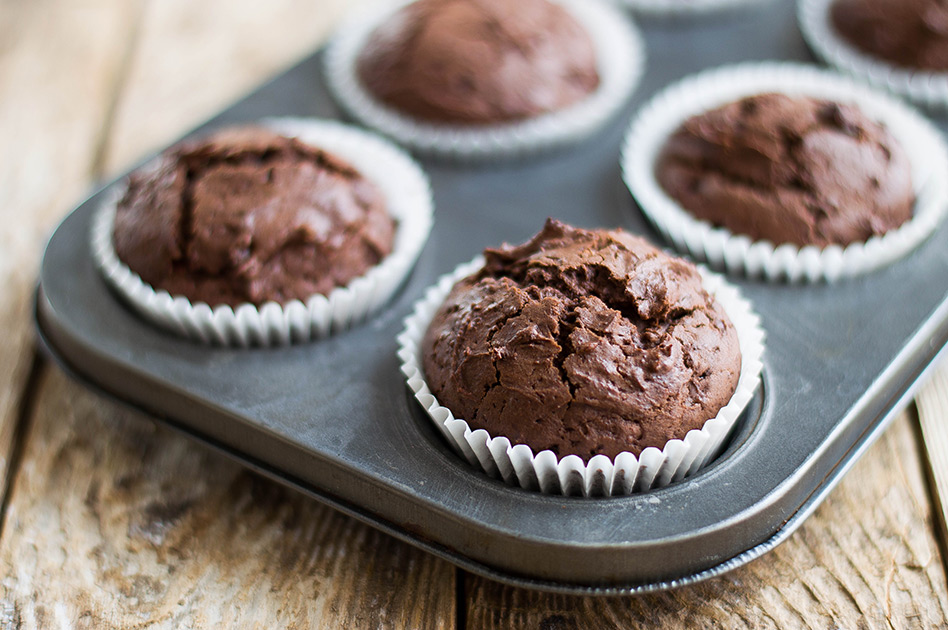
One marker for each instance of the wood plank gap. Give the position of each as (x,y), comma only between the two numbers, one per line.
(26,407)
(460,599)
(131,47)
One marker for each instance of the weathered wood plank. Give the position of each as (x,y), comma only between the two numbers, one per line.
(932,402)
(58,63)
(193,58)
(866,559)
(116,522)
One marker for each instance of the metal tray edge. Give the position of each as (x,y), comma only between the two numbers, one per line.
(876,429)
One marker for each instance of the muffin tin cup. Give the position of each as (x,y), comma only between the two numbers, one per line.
(408,196)
(924,87)
(665,112)
(684,8)
(621,58)
(517,465)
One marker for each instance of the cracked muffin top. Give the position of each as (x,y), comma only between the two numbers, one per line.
(789,170)
(583,343)
(248,215)
(479,61)
(908,33)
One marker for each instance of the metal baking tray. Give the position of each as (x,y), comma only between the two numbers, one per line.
(334,418)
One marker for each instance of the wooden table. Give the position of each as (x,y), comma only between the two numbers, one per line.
(111,521)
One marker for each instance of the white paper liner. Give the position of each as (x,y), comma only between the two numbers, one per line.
(666,111)
(408,197)
(924,87)
(687,7)
(569,475)
(620,55)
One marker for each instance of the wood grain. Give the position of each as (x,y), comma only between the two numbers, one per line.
(112,522)
(59,63)
(866,559)
(116,522)
(193,58)
(932,403)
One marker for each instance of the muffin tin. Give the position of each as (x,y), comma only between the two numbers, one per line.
(335,419)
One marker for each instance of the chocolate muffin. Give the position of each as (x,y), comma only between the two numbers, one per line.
(477,62)
(584,343)
(789,170)
(907,33)
(248,215)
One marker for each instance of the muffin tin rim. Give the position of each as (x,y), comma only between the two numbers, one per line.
(685,8)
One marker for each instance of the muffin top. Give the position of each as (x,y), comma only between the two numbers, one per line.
(789,170)
(248,215)
(908,33)
(479,61)
(584,343)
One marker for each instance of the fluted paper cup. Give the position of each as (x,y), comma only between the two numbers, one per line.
(518,465)
(408,200)
(620,55)
(666,111)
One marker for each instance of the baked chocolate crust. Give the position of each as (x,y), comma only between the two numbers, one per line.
(247,215)
(908,33)
(789,170)
(584,343)
(479,61)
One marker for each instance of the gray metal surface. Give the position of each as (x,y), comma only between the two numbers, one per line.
(334,418)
